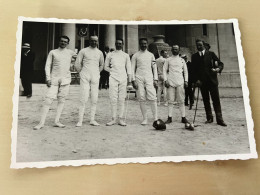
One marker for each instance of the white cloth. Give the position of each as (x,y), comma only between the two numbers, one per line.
(175,69)
(144,66)
(57,68)
(117,93)
(118,64)
(89,60)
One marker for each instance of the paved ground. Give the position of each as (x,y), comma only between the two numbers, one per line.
(51,143)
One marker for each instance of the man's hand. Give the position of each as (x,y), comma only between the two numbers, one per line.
(155,84)
(135,85)
(215,70)
(198,83)
(48,83)
(167,84)
(185,84)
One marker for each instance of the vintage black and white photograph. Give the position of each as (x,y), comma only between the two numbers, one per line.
(105,92)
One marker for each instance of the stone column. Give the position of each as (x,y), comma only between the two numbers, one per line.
(110,36)
(131,42)
(69,30)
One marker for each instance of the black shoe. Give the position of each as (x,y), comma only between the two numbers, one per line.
(221,123)
(169,120)
(186,104)
(184,120)
(209,121)
(30,95)
(190,106)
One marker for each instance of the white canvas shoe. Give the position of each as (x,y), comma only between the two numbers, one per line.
(58,124)
(111,122)
(94,123)
(37,127)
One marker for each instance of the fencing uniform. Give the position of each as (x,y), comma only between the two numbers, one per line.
(89,63)
(57,70)
(175,72)
(119,65)
(160,63)
(144,72)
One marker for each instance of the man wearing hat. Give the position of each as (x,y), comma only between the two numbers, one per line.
(145,79)
(89,64)
(26,72)
(118,64)
(58,78)
(176,78)
(206,68)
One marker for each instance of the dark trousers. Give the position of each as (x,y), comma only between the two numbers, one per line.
(27,85)
(212,90)
(189,94)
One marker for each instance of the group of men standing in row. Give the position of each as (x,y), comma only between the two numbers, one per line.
(140,72)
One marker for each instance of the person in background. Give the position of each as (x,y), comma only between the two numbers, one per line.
(104,75)
(58,78)
(161,88)
(189,92)
(26,72)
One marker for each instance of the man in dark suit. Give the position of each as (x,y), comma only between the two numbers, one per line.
(26,72)
(206,66)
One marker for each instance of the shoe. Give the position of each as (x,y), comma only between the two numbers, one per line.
(38,127)
(144,122)
(190,108)
(111,122)
(222,123)
(79,124)
(169,120)
(94,123)
(184,120)
(209,121)
(186,104)
(121,122)
(166,104)
(58,124)
(30,95)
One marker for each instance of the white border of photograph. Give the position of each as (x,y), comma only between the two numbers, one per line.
(248,112)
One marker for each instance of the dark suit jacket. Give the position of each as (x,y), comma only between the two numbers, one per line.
(203,65)
(27,65)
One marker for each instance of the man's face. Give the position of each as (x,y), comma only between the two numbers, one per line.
(119,44)
(63,43)
(143,45)
(165,54)
(200,46)
(93,43)
(175,50)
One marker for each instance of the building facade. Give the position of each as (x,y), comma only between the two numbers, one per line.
(44,37)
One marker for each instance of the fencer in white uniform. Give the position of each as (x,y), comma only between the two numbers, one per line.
(118,64)
(145,79)
(58,78)
(89,63)
(176,78)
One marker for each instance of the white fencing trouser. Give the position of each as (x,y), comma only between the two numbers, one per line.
(88,86)
(59,91)
(117,93)
(145,91)
(178,94)
(161,88)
